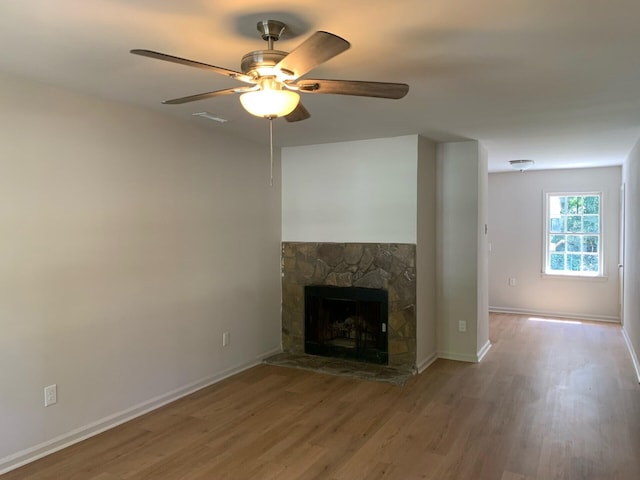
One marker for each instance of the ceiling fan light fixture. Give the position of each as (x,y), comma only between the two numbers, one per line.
(273,75)
(270,103)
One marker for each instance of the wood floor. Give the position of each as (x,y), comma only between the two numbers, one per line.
(549,401)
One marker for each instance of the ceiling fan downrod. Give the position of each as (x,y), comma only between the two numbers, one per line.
(270,31)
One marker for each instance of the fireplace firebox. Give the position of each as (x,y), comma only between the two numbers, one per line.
(347,322)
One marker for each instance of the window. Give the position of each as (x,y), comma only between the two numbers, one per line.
(573,239)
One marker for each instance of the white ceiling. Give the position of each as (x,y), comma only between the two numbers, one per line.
(553,81)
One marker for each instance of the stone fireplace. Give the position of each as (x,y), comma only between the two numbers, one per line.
(367,267)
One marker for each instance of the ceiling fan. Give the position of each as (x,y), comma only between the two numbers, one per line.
(273,77)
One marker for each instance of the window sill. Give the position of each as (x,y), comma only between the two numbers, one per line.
(588,278)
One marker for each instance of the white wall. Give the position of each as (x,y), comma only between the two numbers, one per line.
(462,170)
(482,334)
(130,242)
(631,329)
(516,205)
(362,191)
(426,282)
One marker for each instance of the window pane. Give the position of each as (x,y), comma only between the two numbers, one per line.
(557,261)
(556,225)
(591,224)
(574,223)
(557,243)
(590,263)
(590,244)
(575,205)
(574,243)
(564,208)
(592,204)
(573,262)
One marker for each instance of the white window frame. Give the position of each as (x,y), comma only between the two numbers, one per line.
(546,255)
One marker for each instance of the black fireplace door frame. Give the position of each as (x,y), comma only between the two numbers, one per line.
(376,299)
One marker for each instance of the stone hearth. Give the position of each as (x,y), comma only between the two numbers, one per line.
(389,266)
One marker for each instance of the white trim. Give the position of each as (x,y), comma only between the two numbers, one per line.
(459,357)
(77,435)
(632,352)
(427,362)
(548,313)
(483,351)
(563,276)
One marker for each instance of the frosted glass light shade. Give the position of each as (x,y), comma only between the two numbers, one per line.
(270,103)
(521,165)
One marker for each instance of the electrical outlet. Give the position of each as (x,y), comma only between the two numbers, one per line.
(462,325)
(512,281)
(50,395)
(225,339)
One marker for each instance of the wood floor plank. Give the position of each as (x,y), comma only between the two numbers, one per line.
(551,400)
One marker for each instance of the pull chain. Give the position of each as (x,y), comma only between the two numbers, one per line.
(271,151)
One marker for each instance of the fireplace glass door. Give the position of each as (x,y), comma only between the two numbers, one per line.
(346,322)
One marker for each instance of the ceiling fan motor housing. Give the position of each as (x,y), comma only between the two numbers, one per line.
(252,61)
(255,63)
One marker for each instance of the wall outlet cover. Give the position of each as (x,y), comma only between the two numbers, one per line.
(50,395)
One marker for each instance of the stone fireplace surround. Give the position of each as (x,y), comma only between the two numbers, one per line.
(389,266)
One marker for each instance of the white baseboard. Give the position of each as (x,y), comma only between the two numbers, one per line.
(465,357)
(459,357)
(483,351)
(548,313)
(31,454)
(632,352)
(427,362)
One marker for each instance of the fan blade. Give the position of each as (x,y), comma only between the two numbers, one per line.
(299,113)
(203,96)
(191,63)
(354,87)
(317,49)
